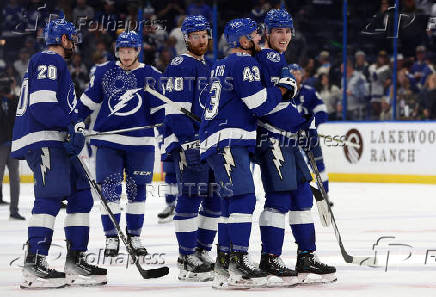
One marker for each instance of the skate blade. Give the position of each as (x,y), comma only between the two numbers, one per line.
(189,276)
(220,282)
(236,281)
(85,281)
(38,283)
(311,278)
(282,282)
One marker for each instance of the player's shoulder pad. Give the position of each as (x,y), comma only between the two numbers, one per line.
(244,59)
(182,64)
(269,55)
(102,68)
(48,58)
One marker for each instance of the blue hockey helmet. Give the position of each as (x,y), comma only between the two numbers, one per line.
(295,67)
(237,28)
(128,39)
(278,18)
(195,23)
(55,29)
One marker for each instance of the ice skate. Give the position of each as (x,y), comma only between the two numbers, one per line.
(311,270)
(193,269)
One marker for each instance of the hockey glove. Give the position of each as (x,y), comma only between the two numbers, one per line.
(192,152)
(76,140)
(287,80)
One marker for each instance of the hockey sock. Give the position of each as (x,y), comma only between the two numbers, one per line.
(186,223)
(135,210)
(241,209)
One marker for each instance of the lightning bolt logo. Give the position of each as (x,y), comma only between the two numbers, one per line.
(182,163)
(45,163)
(123,100)
(277,156)
(228,161)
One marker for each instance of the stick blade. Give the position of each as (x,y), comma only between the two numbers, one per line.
(153,273)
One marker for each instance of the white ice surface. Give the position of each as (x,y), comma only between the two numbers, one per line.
(364,213)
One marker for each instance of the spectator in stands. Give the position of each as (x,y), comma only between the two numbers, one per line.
(309,73)
(198,7)
(108,18)
(92,42)
(324,61)
(407,100)
(8,107)
(30,45)
(12,20)
(331,95)
(356,92)
(380,80)
(154,39)
(21,64)
(79,74)
(420,70)
(259,11)
(427,98)
(83,11)
(169,13)
(176,39)
(98,59)
(360,63)
(164,59)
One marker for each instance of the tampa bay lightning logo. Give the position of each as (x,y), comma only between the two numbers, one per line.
(274,57)
(176,61)
(72,99)
(121,89)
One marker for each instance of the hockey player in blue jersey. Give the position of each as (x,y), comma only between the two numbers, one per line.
(182,82)
(285,175)
(309,102)
(234,100)
(115,99)
(45,114)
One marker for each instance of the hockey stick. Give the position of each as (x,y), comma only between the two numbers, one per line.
(172,103)
(87,134)
(368,261)
(145,273)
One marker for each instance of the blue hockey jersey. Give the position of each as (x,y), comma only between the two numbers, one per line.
(116,100)
(309,102)
(285,115)
(47,105)
(233,101)
(183,81)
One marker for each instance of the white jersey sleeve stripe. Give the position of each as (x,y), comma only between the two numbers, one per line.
(227,133)
(43,96)
(37,136)
(153,110)
(170,109)
(280,106)
(88,102)
(255,100)
(320,107)
(125,140)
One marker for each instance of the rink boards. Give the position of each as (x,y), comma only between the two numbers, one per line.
(386,152)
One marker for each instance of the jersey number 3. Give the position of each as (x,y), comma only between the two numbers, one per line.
(215,91)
